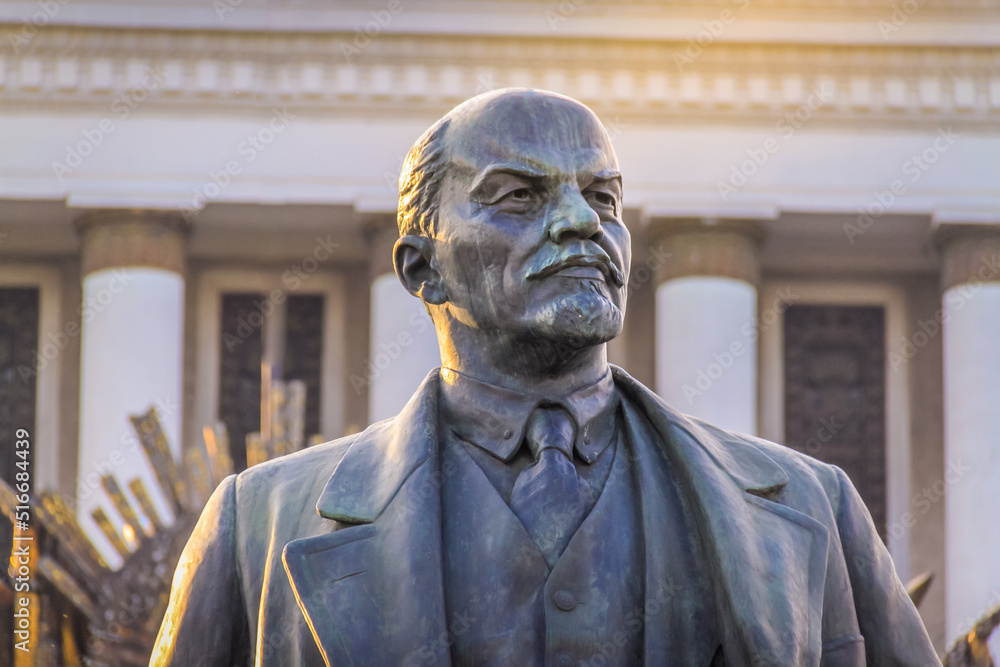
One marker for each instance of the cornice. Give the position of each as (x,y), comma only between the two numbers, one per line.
(621,19)
(404,76)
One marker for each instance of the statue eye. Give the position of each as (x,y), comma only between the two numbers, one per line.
(601,198)
(522,195)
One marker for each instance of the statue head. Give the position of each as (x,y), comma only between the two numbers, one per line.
(510,223)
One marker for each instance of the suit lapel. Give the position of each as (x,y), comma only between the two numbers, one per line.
(677,611)
(372,592)
(767,560)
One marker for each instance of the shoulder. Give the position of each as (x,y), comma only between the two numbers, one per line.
(301,475)
(808,479)
(794,462)
(807,476)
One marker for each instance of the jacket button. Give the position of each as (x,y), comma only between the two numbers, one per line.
(564,600)
(565,660)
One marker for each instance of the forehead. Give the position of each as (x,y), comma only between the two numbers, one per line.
(541,132)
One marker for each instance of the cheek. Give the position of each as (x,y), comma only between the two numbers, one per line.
(620,249)
(622,239)
(479,265)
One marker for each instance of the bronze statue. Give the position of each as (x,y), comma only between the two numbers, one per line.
(532,504)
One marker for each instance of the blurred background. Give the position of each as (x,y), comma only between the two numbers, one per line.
(197,208)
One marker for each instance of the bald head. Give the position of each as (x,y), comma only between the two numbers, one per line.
(511,232)
(514,126)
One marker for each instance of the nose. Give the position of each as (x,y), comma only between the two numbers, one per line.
(574,218)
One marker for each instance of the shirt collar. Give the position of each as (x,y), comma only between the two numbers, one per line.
(494,418)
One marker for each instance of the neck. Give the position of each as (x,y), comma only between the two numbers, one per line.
(538,367)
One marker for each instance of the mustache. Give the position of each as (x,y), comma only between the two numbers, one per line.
(598,260)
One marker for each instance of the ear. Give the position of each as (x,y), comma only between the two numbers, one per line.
(413,258)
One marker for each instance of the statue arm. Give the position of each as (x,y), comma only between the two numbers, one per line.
(893,631)
(206,622)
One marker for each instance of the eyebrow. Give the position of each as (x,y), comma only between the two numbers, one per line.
(532,173)
(608,176)
(514,168)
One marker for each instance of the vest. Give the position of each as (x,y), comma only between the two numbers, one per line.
(595,607)
(508,608)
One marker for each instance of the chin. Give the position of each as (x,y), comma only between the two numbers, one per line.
(579,321)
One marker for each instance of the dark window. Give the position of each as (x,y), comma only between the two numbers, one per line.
(835,393)
(19,365)
(241,348)
(303,352)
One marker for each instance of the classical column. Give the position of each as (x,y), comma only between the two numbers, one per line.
(706,309)
(970,319)
(132,323)
(404,345)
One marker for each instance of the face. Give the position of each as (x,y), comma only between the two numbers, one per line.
(529,241)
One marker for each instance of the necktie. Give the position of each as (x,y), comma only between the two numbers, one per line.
(547,495)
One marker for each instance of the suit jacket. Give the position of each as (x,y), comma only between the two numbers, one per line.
(333,555)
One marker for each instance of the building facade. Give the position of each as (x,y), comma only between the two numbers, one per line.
(191,190)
